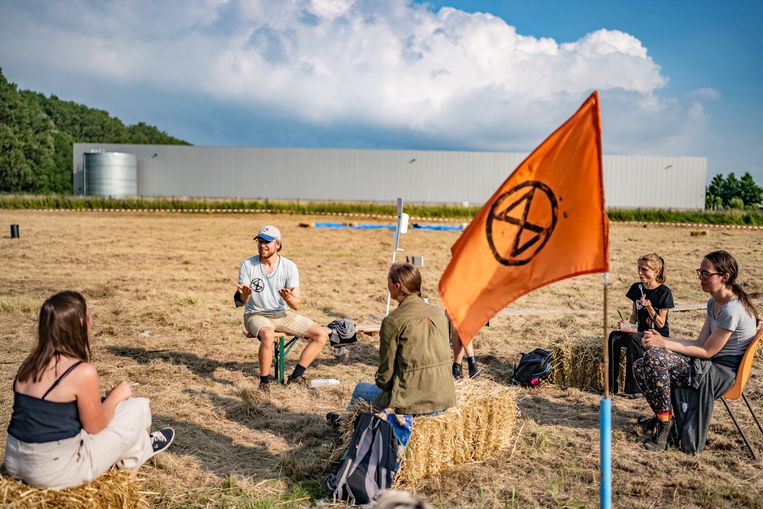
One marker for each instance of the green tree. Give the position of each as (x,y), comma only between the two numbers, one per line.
(713,198)
(731,192)
(750,192)
(730,189)
(37,134)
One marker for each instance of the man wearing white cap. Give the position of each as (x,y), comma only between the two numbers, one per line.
(269,286)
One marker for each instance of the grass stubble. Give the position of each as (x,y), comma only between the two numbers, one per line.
(160,287)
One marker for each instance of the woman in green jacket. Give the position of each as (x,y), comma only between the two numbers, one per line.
(414,375)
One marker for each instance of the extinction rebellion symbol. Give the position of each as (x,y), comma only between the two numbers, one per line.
(520,222)
(257,285)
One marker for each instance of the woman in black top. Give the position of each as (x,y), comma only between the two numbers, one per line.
(651,300)
(62,433)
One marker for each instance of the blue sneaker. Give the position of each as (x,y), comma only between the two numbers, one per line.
(161,439)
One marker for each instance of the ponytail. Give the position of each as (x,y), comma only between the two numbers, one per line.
(744,298)
(725,263)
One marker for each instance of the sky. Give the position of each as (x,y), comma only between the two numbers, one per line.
(676,78)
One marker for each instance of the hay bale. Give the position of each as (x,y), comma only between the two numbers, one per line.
(481,424)
(579,363)
(115,489)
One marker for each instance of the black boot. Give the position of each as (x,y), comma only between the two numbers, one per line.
(659,440)
(646,425)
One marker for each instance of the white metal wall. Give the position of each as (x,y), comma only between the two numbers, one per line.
(383,175)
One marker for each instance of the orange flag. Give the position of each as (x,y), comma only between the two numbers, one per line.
(545,223)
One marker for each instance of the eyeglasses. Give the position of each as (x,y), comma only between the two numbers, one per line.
(703,274)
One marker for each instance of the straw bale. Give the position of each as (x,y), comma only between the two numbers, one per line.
(579,362)
(481,423)
(115,489)
(478,426)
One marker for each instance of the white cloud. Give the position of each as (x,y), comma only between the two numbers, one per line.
(451,76)
(706,94)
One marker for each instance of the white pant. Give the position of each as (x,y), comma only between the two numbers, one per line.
(80,459)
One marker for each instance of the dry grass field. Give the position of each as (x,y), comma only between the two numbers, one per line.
(160,289)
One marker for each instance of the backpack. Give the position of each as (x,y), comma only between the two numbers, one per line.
(533,368)
(368,466)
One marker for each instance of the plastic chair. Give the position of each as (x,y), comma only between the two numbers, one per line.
(737,391)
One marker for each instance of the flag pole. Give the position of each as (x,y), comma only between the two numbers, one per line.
(396,241)
(605,422)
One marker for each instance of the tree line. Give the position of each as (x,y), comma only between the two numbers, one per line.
(730,192)
(37,134)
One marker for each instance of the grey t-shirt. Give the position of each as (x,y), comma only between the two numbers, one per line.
(265,297)
(734,317)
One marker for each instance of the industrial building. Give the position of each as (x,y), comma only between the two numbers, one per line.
(421,176)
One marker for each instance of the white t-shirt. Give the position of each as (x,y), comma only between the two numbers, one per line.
(265,297)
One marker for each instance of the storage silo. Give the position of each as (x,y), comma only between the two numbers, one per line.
(110,174)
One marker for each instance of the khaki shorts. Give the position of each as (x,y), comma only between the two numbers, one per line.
(290,323)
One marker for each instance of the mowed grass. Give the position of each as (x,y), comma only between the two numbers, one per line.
(161,286)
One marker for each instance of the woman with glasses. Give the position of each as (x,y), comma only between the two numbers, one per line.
(730,326)
(62,433)
(651,300)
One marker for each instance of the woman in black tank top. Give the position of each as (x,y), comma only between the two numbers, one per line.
(57,399)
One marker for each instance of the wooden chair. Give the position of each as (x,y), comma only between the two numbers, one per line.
(737,391)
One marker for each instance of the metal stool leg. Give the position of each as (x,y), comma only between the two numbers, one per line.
(282,349)
(747,402)
(744,437)
(281,361)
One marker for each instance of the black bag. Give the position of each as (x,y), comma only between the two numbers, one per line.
(368,466)
(533,368)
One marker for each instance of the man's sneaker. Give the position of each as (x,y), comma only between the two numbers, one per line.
(161,439)
(300,381)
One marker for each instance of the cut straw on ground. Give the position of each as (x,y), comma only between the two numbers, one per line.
(115,489)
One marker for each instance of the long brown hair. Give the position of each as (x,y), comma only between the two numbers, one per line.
(61,330)
(407,276)
(727,264)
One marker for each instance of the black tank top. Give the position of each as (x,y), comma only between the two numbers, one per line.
(36,420)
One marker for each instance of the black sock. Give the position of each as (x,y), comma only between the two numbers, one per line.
(472,361)
(299,370)
(265,379)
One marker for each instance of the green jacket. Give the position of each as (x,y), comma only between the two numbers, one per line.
(414,359)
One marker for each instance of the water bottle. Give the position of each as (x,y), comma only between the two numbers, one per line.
(320,382)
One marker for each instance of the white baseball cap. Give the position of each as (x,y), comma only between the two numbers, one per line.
(268,233)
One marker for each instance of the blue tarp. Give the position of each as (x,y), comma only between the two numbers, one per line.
(372,226)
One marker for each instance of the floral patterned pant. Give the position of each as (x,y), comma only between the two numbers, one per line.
(656,372)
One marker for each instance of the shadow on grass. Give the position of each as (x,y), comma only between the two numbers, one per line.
(361,352)
(205,367)
(495,368)
(311,442)
(201,366)
(570,412)
(218,453)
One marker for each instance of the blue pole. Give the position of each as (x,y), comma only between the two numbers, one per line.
(605,453)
